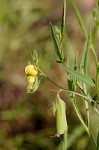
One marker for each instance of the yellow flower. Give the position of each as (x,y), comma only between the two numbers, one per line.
(31,70)
(30,79)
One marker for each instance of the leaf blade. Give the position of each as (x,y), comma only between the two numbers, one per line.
(84,78)
(63,19)
(55,42)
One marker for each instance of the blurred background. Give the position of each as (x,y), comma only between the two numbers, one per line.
(26,122)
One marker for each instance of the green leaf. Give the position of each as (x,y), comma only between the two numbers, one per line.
(84,58)
(75,68)
(63,19)
(55,42)
(81,23)
(68,56)
(84,78)
(76,62)
(83,61)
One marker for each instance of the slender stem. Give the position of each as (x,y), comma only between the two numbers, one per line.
(82,121)
(93,39)
(83,28)
(78,114)
(94,54)
(87,107)
(94,32)
(89,97)
(86,36)
(97,86)
(96,62)
(69,91)
(75,107)
(83,70)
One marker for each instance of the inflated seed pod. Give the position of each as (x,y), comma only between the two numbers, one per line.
(31,70)
(60,116)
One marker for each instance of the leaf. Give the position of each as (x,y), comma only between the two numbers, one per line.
(84,78)
(63,19)
(70,81)
(83,55)
(78,16)
(75,68)
(76,62)
(55,42)
(83,62)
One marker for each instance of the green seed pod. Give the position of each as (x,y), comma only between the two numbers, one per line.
(60,115)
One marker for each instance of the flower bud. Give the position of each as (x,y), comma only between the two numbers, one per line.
(31,70)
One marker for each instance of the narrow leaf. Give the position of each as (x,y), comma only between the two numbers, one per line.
(82,62)
(84,78)
(55,42)
(76,61)
(68,56)
(79,19)
(63,19)
(69,79)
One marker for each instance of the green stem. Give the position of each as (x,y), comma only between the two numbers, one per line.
(69,91)
(93,39)
(86,36)
(79,115)
(94,33)
(96,62)
(82,121)
(87,106)
(97,86)
(75,107)
(83,29)
(83,70)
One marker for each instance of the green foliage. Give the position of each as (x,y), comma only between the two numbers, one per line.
(58,52)
(26,122)
(81,77)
